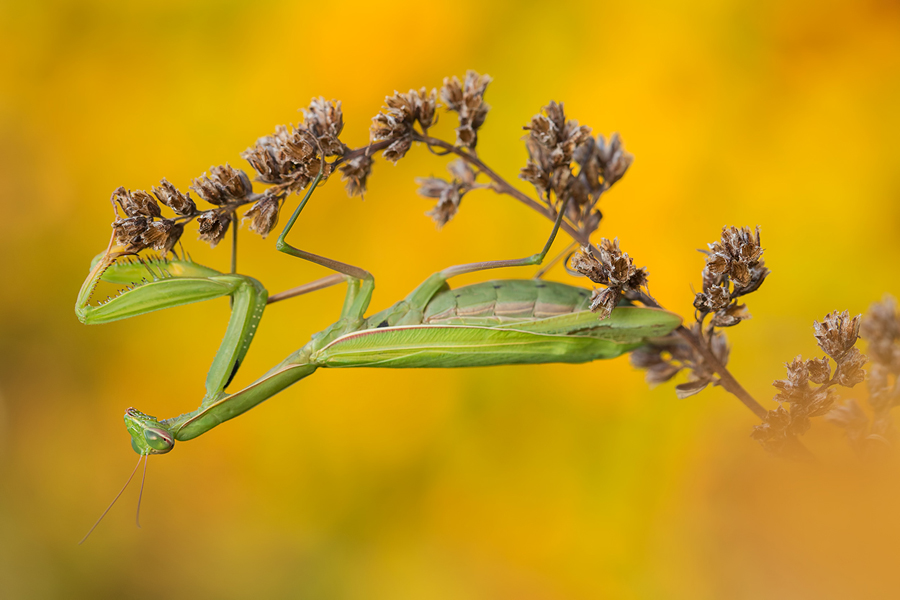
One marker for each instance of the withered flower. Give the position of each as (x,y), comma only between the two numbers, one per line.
(400,114)
(162,235)
(600,165)
(325,121)
(129,231)
(225,184)
(213,225)
(819,369)
(610,267)
(169,195)
(837,333)
(551,143)
(263,215)
(467,100)
(288,158)
(880,327)
(448,193)
(735,259)
(136,204)
(849,371)
(356,172)
(775,431)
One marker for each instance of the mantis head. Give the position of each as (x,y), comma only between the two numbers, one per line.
(148,436)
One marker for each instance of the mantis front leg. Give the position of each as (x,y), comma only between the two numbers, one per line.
(159,284)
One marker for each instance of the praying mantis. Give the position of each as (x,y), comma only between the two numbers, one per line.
(501,322)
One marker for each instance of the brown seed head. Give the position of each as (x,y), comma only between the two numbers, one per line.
(325,120)
(213,225)
(448,193)
(136,204)
(162,235)
(610,267)
(263,215)
(819,369)
(129,231)
(467,100)
(356,172)
(169,195)
(850,370)
(837,333)
(880,327)
(736,257)
(225,184)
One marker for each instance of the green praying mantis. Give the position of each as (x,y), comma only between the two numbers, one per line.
(501,322)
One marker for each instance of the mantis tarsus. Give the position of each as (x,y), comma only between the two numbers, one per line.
(493,323)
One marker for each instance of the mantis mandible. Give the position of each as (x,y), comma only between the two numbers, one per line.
(500,322)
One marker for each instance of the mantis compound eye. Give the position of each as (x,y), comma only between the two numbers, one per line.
(159,440)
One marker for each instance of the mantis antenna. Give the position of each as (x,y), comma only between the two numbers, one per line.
(117,497)
(137,517)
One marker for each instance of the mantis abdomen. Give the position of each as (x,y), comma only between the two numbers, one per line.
(496,323)
(505,301)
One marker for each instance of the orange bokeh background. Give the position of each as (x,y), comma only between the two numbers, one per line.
(510,482)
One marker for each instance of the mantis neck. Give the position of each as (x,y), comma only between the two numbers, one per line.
(198,422)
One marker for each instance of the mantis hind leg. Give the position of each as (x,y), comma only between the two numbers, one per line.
(423,294)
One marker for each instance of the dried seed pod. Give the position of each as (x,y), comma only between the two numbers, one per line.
(396,122)
(448,193)
(356,172)
(169,195)
(136,204)
(146,203)
(610,267)
(837,333)
(129,231)
(397,150)
(819,369)
(225,184)
(325,121)
(162,235)
(850,370)
(263,215)
(213,225)
(467,100)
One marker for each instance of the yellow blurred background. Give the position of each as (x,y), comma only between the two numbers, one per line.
(537,482)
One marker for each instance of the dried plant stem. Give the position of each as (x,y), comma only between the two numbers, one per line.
(726,379)
(502,186)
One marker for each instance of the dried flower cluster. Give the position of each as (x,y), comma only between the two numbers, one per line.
(611,267)
(143,225)
(836,336)
(466,99)
(880,328)
(448,193)
(733,269)
(555,146)
(396,123)
(294,155)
